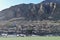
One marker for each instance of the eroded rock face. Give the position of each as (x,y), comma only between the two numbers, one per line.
(47,10)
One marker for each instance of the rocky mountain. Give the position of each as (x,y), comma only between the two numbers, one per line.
(40,18)
(46,10)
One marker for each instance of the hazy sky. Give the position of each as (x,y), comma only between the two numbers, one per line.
(7,3)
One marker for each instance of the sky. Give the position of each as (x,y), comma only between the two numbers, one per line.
(8,3)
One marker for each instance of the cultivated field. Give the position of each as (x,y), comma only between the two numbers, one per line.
(30,38)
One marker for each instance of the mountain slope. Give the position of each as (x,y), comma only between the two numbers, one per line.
(42,11)
(42,18)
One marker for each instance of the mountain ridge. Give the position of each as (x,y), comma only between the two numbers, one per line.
(40,11)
